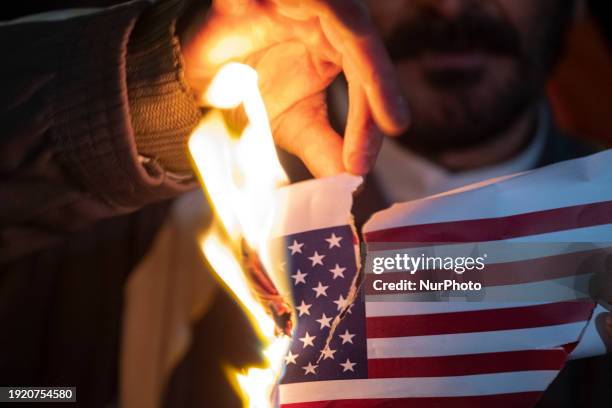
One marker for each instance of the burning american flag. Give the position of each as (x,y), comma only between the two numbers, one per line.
(396,350)
(352,348)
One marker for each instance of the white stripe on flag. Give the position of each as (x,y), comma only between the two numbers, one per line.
(459,386)
(591,344)
(476,342)
(376,309)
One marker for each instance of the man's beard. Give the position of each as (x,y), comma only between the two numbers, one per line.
(464,121)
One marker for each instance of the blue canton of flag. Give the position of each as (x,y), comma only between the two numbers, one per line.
(321,265)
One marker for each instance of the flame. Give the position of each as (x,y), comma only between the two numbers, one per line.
(241,174)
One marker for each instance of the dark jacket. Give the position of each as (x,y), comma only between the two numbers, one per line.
(89,157)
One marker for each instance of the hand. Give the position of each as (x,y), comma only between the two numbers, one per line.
(298,47)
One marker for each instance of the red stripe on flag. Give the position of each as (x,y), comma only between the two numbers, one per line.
(491,229)
(469,364)
(516,400)
(479,320)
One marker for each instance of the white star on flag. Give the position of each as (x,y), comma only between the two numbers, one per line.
(334,241)
(341,302)
(347,337)
(299,277)
(290,358)
(304,309)
(324,321)
(310,369)
(308,340)
(349,310)
(320,290)
(348,366)
(338,271)
(328,353)
(296,247)
(316,259)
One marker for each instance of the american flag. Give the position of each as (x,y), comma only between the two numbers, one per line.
(436,354)
(323,266)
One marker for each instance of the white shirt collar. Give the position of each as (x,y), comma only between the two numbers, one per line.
(404,176)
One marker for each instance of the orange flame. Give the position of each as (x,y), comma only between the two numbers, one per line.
(241,174)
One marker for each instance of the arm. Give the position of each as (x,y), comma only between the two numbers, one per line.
(79,130)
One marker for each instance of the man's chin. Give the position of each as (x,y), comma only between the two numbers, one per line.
(452,123)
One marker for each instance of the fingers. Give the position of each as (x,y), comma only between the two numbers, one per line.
(305,131)
(348,25)
(362,138)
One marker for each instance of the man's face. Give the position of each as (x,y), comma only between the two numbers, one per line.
(469,68)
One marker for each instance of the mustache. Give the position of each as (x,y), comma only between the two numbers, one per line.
(470,31)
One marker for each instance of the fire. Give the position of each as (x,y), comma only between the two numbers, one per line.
(241,174)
